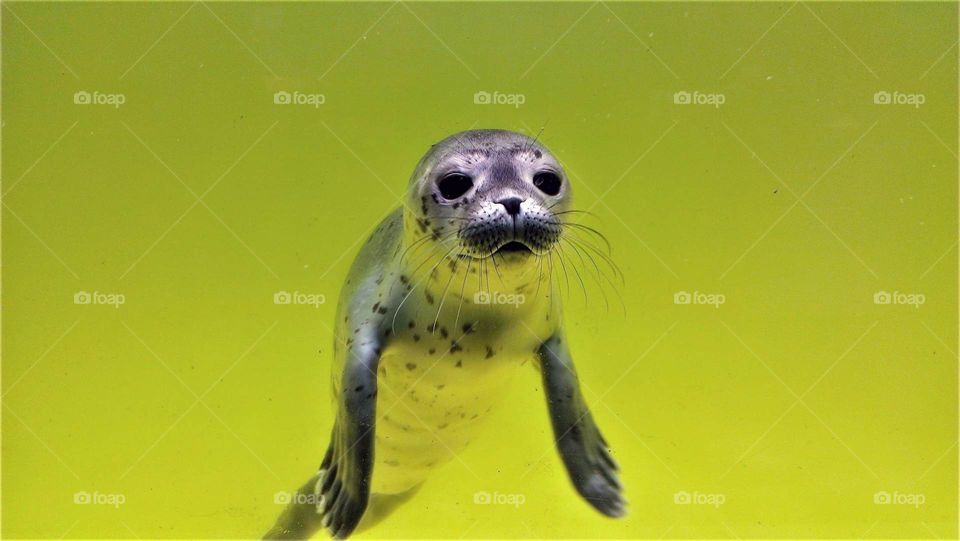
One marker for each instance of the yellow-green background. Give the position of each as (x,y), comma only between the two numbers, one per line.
(798,399)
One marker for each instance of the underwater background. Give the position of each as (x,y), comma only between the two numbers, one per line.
(185,185)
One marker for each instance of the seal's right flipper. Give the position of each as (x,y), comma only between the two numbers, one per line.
(339,493)
(584,451)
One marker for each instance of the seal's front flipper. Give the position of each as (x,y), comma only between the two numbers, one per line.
(344,484)
(581,446)
(337,496)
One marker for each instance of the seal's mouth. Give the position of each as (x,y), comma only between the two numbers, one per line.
(513,247)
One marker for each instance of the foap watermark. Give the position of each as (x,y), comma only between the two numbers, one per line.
(299,98)
(96,297)
(498,297)
(696,97)
(83,97)
(496,498)
(884,97)
(499,98)
(699,498)
(899,498)
(697,297)
(899,297)
(97,498)
(297,297)
(299,498)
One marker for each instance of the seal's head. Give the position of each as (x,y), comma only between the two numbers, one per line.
(488,193)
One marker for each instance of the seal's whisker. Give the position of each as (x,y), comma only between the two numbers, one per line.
(480,275)
(429,257)
(412,245)
(550,277)
(575,243)
(589,252)
(591,230)
(421,282)
(576,271)
(539,274)
(606,258)
(565,275)
(493,258)
(413,287)
(441,240)
(600,271)
(596,276)
(443,296)
(466,274)
(573,211)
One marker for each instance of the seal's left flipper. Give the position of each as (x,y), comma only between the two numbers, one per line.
(337,496)
(344,480)
(581,446)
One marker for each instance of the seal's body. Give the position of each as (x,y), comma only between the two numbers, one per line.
(438,375)
(448,297)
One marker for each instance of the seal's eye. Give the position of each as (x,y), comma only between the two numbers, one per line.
(549,183)
(454,185)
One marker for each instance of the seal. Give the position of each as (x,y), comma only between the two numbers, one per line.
(448,297)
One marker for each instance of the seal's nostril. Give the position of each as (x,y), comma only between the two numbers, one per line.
(512,204)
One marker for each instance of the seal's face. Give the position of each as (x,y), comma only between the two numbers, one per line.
(490,193)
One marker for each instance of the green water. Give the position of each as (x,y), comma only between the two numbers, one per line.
(785,411)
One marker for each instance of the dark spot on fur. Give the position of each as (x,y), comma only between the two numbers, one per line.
(411,324)
(489,352)
(440,386)
(455,347)
(416,337)
(431,351)
(459,364)
(382,310)
(429,297)
(411,366)
(469,327)
(376,307)
(443,332)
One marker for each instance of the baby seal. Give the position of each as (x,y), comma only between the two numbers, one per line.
(451,294)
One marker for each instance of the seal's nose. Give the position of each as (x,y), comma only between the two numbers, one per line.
(512,204)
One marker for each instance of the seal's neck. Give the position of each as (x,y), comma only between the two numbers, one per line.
(490,284)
